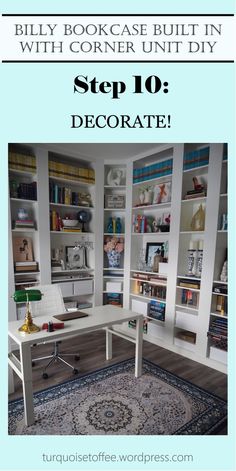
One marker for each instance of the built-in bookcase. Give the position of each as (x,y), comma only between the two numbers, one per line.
(151,203)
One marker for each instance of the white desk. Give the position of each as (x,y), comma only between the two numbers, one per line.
(99,317)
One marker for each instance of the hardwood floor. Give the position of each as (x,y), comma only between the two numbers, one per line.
(91,348)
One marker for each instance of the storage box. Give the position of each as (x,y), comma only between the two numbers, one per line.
(114,286)
(218,355)
(186,321)
(141,307)
(115,201)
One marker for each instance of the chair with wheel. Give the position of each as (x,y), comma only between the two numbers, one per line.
(51,304)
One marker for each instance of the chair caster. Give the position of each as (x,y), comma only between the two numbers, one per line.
(75,371)
(33,363)
(45,376)
(77,357)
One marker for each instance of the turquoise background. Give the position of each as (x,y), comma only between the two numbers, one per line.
(106,6)
(36,103)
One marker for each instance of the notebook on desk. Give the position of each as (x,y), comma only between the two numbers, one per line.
(68,316)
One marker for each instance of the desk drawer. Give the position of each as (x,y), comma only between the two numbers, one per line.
(83,287)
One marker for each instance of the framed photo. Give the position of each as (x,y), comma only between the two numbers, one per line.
(74,257)
(152,248)
(22,249)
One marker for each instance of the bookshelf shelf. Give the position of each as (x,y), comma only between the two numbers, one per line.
(22,173)
(186,306)
(71,181)
(196,169)
(188,289)
(152,206)
(148,298)
(163,179)
(22,200)
(194,200)
(25,229)
(71,206)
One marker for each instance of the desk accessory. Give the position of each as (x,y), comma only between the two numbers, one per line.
(68,316)
(55,325)
(27,296)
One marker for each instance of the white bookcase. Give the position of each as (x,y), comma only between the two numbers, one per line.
(144,221)
(114,228)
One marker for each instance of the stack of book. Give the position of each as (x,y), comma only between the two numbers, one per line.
(156,310)
(26,266)
(24,224)
(218,332)
(191,194)
(195,284)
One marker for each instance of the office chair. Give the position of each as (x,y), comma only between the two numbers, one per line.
(51,303)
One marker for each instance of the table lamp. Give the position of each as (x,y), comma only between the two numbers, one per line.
(27,296)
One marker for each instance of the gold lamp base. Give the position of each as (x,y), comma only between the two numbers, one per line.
(29,327)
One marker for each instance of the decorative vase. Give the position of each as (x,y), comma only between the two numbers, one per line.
(147,196)
(141,197)
(114,259)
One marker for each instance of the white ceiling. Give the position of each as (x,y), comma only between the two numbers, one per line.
(102,151)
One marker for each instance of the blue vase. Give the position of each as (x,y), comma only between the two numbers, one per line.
(114,259)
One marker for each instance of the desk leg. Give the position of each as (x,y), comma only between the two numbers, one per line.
(108,345)
(11,386)
(26,368)
(139,347)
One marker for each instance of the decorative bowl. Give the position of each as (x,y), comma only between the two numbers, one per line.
(70,222)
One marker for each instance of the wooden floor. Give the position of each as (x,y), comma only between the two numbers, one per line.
(91,348)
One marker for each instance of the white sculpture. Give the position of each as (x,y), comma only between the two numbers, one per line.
(114,177)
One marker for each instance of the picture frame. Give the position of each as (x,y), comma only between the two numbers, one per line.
(74,257)
(151,248)
(22,249)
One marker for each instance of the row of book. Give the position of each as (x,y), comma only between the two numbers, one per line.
(196,158)
(147,289)
(23,162)
(65,195)
(143,224)
(147,277)
(189,298)
(159,169)
(70,172)
(218,332)
(22,190)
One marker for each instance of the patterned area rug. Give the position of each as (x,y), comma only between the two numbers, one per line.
(112,401)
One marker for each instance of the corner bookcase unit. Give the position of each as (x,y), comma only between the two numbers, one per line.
(114,230)
(151,225)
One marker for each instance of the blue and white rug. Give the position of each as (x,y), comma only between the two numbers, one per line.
(112,401)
